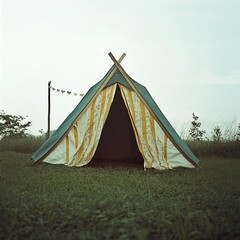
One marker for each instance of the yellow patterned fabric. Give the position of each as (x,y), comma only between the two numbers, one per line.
(152,147)
(84,137)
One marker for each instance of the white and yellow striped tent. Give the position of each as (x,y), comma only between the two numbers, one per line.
(117,120)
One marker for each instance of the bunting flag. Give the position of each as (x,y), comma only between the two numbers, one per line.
(65,91)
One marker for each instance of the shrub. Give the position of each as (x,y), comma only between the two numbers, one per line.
(12,126)
(217,134)
(194,132)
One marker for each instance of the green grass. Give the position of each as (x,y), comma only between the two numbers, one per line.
(57,202)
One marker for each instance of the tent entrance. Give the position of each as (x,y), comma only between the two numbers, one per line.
(117,144)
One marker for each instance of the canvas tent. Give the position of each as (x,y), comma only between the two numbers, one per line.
(117,119)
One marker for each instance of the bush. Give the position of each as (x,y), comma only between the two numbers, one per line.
(12,126)
(195,133)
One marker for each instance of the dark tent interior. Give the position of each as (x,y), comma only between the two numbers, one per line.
(117,145)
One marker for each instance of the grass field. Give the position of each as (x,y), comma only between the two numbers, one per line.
(56,202)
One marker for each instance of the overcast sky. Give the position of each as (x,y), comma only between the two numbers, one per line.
(186,52)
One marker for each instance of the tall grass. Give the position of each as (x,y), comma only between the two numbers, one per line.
(206,148)
(28,144)
(55,202)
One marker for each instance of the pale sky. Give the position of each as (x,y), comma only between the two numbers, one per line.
(186,52)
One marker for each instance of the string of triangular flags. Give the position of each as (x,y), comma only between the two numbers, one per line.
(65,91)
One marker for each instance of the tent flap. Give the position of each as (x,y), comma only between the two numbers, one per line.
(81,142)
(153,143)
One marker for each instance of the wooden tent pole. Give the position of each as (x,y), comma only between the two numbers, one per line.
(49,109)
